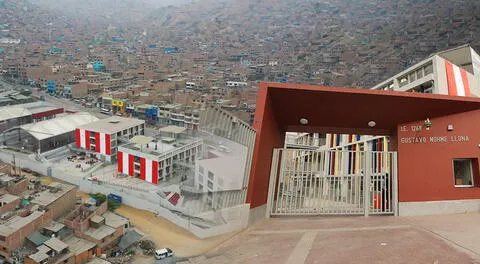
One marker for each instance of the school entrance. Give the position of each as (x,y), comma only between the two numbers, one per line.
(331,182)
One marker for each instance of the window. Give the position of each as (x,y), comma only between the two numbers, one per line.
(462,170)
(210,185)
(200,169)
(210,175)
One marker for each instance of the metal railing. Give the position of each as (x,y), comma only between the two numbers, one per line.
(307,182)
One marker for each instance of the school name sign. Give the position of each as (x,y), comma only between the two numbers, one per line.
(429,139)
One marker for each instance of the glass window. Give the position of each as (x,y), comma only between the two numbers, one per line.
(210,175)
(210,185)
(428,69)
(200,169)
(462,170)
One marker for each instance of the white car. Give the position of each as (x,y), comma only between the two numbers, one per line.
(163,253)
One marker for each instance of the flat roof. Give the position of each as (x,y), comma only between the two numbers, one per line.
(97,219)
(54,226)
(112,124)
(99,233)
(78,245)
(55,244)
(11,112)
(140,139)
(114,220)
(173,129)
(17,222)
(58,126)
(47,197)
(8,198)
(163,146)
(39,256)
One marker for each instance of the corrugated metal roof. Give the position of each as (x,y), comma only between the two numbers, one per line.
(58,126)
(11,112)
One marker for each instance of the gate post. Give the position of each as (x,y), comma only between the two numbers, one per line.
(367,178)
(395,184)
(272,183)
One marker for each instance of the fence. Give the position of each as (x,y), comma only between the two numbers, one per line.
(306,182)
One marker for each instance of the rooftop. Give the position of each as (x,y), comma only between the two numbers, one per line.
(54,226)
(58,126)
(162,146)
(55,191)
(39,256)
(10,112)
(78,245)
(173,129)
(112,124)
(114,220)
(97,219)
(99,233)
(8,198)
(56,244)
(17,222)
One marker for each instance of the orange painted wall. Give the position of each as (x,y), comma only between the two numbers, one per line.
(269,136)
(426,169)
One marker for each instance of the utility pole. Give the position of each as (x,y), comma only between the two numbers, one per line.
(14,165)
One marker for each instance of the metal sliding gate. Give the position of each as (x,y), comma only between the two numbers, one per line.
(306,182)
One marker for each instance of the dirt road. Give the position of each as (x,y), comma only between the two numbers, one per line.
(167,234)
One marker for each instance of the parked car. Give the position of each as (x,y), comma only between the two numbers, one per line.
(27,170)
(163,253)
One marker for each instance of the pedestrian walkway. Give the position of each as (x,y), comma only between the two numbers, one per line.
(359,240)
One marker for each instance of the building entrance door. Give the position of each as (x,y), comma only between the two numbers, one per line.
(331,182)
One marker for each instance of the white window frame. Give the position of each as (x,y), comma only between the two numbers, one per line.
(471,174)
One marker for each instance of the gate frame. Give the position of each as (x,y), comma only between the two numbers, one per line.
(274,170)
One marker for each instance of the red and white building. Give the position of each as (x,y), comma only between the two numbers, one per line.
(154,160)
(454,72)
(102,137)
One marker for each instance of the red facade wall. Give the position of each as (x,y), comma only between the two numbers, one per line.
(263,151)
(49,113)
(425,167)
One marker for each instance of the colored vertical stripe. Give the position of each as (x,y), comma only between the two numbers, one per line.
(108,147)
(457,80)
(155,172)
(337,142)
(131,165)
(120,162)
(126,163)
(87,140)
(143,168)
(452,87)
(82,138)
(148,170)
(97,142)
(102,143)
(465,83)
(77,138)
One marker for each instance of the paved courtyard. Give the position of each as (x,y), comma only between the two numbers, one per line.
(359,240)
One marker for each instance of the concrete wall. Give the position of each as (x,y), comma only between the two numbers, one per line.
(439,207)
(149,202)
